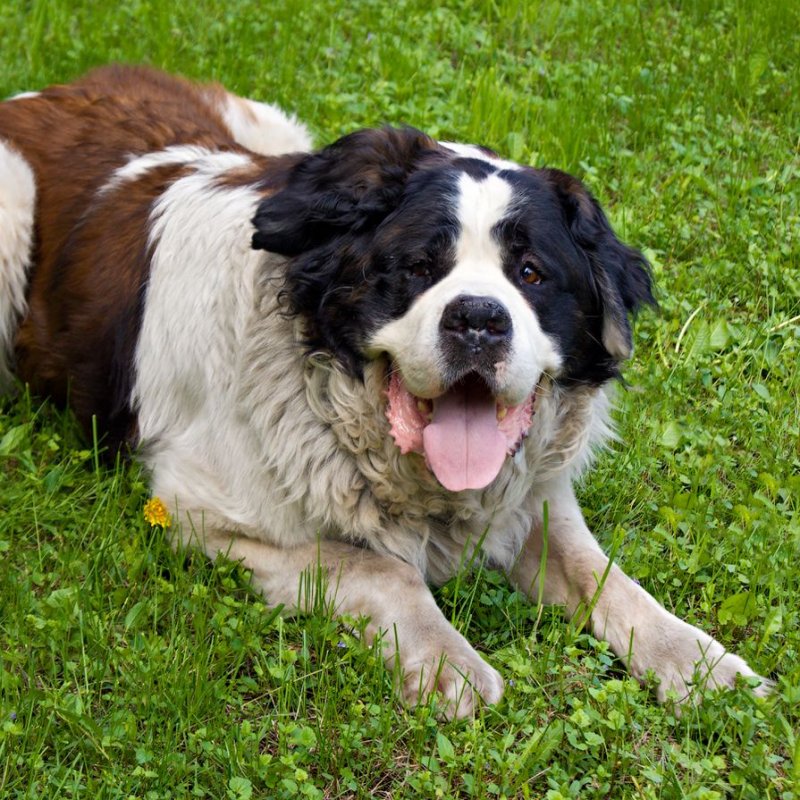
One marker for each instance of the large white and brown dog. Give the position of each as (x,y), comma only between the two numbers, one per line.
(376,357)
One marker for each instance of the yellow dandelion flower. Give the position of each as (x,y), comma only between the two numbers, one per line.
(155,512)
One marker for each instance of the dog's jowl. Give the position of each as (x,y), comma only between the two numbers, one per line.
(379,356)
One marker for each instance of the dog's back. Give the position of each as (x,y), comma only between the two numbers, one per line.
(81,166)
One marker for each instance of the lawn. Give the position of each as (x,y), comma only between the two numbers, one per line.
(127,670)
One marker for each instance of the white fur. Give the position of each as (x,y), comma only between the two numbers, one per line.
(264,128)
(471,151)
(189,341)
(17,203)
(140,165)
(413,340)
(259,127)
(23,96)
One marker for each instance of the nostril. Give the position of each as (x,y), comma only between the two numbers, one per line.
(499,321)
(479,315)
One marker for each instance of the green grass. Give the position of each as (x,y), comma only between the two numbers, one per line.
(127,670)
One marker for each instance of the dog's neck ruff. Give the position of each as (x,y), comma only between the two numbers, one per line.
(465,435)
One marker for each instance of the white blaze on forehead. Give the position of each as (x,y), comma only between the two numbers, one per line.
(481,205)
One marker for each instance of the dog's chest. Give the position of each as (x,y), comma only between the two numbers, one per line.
(402,508)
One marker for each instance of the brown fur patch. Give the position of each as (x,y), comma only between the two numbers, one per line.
(90,262)
(78,340)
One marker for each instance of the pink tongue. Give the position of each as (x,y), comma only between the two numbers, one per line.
(463,444)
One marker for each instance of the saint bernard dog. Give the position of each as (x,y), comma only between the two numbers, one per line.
(377,360)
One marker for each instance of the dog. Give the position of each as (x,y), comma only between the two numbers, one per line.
(379,359)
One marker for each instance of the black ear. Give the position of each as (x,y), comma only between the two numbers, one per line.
(621,273)
(349,186)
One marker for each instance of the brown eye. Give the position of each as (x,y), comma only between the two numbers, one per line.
(529,272)
(421,269)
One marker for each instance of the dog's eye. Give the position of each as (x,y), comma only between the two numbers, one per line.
(421,269)
(529,272)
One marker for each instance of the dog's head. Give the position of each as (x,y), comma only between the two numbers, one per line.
(473,275)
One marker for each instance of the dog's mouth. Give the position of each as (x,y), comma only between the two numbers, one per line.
(464,434)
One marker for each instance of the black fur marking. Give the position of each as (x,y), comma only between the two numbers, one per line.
(476,168)
(368,222)
(346,188)
(588,273)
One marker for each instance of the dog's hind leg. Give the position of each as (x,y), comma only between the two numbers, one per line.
(564,565)
(431,655)
(17,208)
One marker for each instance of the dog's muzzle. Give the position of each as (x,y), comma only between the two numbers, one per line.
(475,335)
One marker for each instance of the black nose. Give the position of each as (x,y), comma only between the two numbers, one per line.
(476,321)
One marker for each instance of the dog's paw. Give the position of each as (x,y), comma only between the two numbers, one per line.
(692,662)
(458,677)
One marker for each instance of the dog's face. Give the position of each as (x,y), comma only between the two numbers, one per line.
(476,277)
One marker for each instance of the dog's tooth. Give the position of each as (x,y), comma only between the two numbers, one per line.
(502,413)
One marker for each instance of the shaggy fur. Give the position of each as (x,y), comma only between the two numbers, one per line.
(240,311)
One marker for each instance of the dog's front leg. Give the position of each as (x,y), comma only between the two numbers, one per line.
(431,654)
(561,563)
